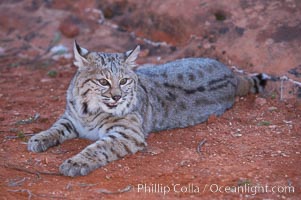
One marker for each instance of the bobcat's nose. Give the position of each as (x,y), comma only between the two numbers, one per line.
(116,97)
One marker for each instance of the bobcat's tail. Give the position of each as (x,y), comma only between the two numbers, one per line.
(254,84)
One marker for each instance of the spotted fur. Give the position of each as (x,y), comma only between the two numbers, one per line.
(116,105)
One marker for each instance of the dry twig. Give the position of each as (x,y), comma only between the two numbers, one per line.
(119,191)
(14,183)
(30,194)
(202,142)
(23,191)
(9,137)
(35,172)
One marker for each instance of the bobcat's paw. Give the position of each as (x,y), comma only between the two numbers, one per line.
(76,166)
(41,142)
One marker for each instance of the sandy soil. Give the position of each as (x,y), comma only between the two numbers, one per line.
(253,151)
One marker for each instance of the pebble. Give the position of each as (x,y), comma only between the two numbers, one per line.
(211,119)
(260,101)
(45,80)
(59,49)
(185,163)
(272,108)
(236,134)
(16,113)
(45,160)
(154,150)
(272,126)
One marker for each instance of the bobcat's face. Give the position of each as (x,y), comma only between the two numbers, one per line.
(106,83)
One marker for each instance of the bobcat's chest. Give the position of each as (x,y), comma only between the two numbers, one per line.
(88,129)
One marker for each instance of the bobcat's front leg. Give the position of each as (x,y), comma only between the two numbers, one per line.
(60,131)
(117,143)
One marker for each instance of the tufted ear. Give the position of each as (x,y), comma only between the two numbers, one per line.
(131,57)
(79,55)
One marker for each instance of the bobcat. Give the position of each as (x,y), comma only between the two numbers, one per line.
(116,104)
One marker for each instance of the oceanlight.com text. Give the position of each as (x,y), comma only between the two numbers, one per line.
(213,188)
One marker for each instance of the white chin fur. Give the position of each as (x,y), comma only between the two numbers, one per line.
(119,110)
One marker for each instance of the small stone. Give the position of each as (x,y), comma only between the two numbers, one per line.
(260,101)
(59,49)
(272,108)
(207,23)
(45,80)
(250,174)
(211,119)
(272,126)
(68,186)
(185,163)
(236,134)
(16,113)
(289,106)
(45,160)
(269,41)
(207,46)
(154,150)
(188,177)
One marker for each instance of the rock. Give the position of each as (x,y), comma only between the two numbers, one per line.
(260,101)
(59,49)
(272,108)
(153,150)
(236,134)
(211,119)
(272,126)
(45,80)
(69,28)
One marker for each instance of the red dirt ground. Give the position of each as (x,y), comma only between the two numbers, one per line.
(252,151)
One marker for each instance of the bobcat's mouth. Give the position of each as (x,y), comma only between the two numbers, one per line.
(112,105)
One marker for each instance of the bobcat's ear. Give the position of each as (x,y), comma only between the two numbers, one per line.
(131,57)
(79,55)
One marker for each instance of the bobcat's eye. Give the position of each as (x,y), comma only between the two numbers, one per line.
(103,82)
(123,81)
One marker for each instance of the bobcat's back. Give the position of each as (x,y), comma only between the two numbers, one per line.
(184,92)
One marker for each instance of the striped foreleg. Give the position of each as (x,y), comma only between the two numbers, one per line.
(118,142)
(61,130)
